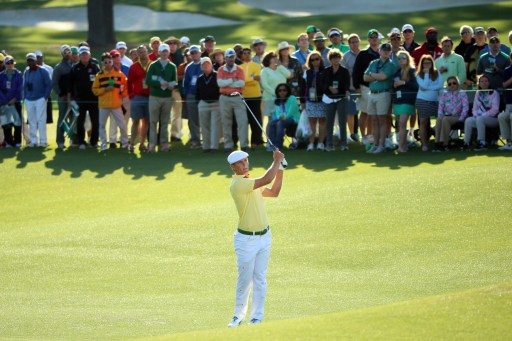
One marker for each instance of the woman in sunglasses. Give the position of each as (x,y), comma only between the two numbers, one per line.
(453,107)
(404,97)
(285,117)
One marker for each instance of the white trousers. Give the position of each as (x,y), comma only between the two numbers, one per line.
(252,254)
(480,123)
(36,115)
(117,115)
(505,121)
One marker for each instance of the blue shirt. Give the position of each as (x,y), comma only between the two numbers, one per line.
(11,86)
(192,73)
(37,84)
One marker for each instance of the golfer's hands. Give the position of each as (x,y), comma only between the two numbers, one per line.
(279,158)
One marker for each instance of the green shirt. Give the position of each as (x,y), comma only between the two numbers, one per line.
(378,66)
(342,47)
(157,72)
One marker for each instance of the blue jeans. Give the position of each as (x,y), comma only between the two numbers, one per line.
(276,130)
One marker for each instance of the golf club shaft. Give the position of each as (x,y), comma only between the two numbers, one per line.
(284,163)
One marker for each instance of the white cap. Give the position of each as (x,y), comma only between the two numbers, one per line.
(121,45)
(229,53)
(38,53)
(185,40)
(236,156)
(206,60)
(407,27)
(84,49)
(163,47)
(31,56)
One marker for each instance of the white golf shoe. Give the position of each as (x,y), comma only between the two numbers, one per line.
(235,322)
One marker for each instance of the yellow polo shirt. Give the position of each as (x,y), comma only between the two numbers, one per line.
(249,203)
(252,87)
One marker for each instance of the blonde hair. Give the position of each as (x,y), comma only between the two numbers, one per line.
(406,71)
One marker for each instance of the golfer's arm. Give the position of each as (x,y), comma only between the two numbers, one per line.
(276,186)
(267,178)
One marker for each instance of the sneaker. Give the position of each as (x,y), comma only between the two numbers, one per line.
(354,137)
(82,146)
(254,321)
(343,148)
(195,145)
(465,147)
(311,147)
(104,147)
(60,145)
(113,145)
(372,149)
(379,150)
(131,149)
(235,322)
(481,146)
(31,145)
(151,150)
(508,146)
(437,148)
(18,145)
(320,146)
(164,149)
(329,149)
(143,148)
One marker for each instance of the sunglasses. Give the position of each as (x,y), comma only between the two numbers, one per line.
(452,83)
(314,59)
(465,32)
(107,62)
(374,37)
(408,31)
(9,63)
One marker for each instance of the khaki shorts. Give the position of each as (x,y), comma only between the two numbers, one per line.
(379,104)
(362,100)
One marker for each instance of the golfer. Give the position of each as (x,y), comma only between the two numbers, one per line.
(252,237)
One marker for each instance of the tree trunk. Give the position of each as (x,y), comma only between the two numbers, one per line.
(100,16)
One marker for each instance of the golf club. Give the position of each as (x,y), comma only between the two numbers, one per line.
(284,163)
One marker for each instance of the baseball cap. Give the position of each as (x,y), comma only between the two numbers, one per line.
(84,49)
(2,57)
(479,29)
(185,40)
(8,59)
(209,38)
(373,31)
(31,56)
(64,48)
(385,46)
(205,60)
(236,156)
(311,29)
(229,53)
(334,31)
(394,32)
(431,30)
(494,39)
(194,48)
(163,47)
(492,28)
(38,53)
(74,49)
(114,52)
(121,45)
(407,27)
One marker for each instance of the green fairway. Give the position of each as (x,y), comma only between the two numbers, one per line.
(101,246)
(116,245)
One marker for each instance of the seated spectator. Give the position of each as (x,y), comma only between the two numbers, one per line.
(485,113)
(453,108)
(285,117)
(272,75)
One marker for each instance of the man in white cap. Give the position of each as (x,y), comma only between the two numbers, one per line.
(253,238)
(122,48)
(60,86)
(231,81)
(409,44)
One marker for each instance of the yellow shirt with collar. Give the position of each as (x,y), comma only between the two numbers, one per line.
(249,204)
(252,87)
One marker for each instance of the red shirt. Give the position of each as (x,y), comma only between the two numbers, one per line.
(137,80)
(423,49)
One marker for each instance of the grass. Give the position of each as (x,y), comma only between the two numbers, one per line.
(117,246)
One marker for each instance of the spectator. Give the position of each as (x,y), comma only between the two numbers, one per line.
(485,113)
(450,64)
(162,79)
(192,73)
(319,41)
(336,37)
(138,91)
(209,46)
(302,50)
(49,105)
(505,117)
(395,40)
(493,32)
(335,81)
(184,42)
(217,58)
(453,108)
(252,95)
(82,78)
(348,61)
(285,117)
(311,99)
(110,85)
(363,59)
(493,63)
(36,89)
(75,58)
(429,82)
(11,92)
(466,40)
(238,50)
(272,74)
(155,43)
(207,95)
(473,55)
(231,81)
(408,33)
(132,54)
(404,96)
(430,46)
(122,48)
(292,64)
(116,58)
(258,45)
(60,85)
